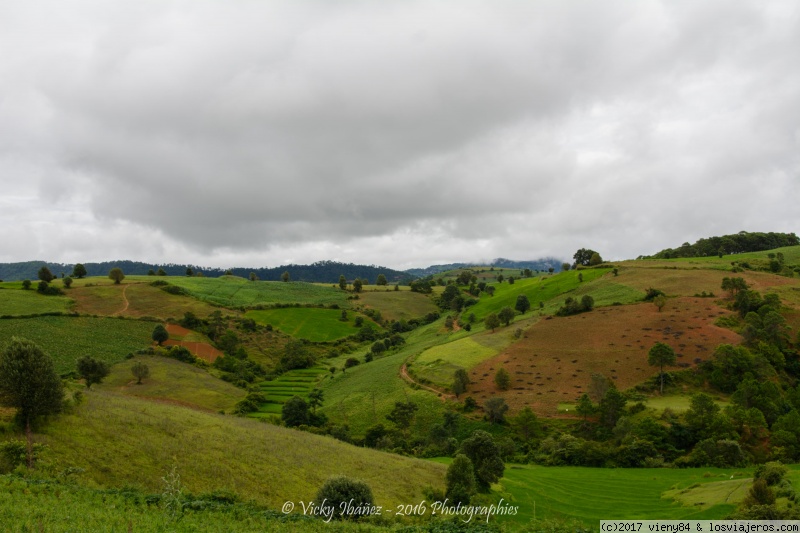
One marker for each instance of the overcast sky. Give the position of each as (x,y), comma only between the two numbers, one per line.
(399,133)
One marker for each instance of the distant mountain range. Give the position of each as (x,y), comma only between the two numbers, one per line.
(319,272)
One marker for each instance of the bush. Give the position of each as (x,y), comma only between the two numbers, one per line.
(347,498)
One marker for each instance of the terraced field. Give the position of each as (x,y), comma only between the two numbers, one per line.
(292,383)
(310,323)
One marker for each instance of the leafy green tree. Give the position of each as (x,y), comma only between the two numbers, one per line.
(357,285)
(295,412)
(45,274)
(67,282)
(526,425)
(584,256)
(92,370)
(403,414)
(460,480)
(612,407)
(296,355)
(253,276)
(161,272)
(481,449)
(343,493)
(460,382)
(315,399)
(26,284)
(523,304)
(151,272)
(381,281)
(285,276)
(564,267)
(160,334)
(490,290)
(29,383)
(501,379)
(660,301)
(595,259)
(585,407)
(79,271)
(701,415)
(506,315)
(661,355)
(492,321)
(140,371)
(342,282)
(496,409)
(116,274)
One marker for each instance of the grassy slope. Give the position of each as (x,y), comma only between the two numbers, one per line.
(142,298)
(231,291)
(15,302)
(68,338)
(128,441)
(398,305)
(310,323)
(175,382)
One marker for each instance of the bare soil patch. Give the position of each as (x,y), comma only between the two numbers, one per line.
(556,357)
(203,350)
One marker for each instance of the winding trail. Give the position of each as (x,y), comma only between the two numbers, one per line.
(125,299)
(442,395)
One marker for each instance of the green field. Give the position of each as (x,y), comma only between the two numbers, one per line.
(438,364)
(173,381)
(594,494)
(310,323)
(68,338)
(231,291)
(398,305)
(293,383)
(15,302)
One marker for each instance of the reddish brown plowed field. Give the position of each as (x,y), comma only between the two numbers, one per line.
(555,359)
(203,350)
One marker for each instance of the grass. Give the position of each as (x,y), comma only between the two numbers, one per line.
(231,291)
(293,383)
(174,382)
(438,364)
(127,441)
(142,300)
(594,494)
(398,305)
(67,338)
(15,302)
(310,323)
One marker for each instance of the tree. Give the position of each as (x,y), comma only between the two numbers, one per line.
(612,406)
(460,381)
(564,268)
(116,275)
(151,272)
(490,290)
(506,315)
(350,499)
(492,321)
(342,282)
(315,399)
(402,414)
(92,370)
(160,334)
(526,424)
(45,274)
(381,280)
(595,259)
(585,406)
(661,355)
(501,379)
(28,382)
(140,371)
(161,272)
(295,412)
(285,276)
(660,301)
(296,355)
(496,409)
(460,479)
(584,256)
(481,449)
(79,271)
(500,278)
(523,304)
(67,282)
(26,284)
(357,285)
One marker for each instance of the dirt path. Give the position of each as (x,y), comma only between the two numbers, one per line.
(124,299)
(442,395)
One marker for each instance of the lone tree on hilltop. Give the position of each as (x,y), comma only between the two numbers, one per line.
(595,259)
(79,271)
(661,355)
(584,256)
(45,274)
(117,275)
(28,382)
(92,370)
(140,371)
(160,334)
